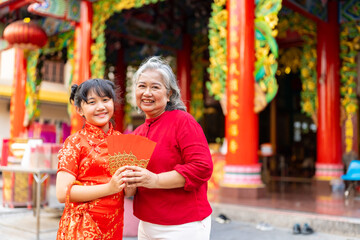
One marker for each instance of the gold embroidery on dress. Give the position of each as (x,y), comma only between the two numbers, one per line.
(125,159)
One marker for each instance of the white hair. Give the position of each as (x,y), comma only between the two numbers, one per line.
(171,84)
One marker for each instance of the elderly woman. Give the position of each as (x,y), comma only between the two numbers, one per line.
(171,194)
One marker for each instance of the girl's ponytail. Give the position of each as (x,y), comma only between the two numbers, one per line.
(101,87)
(74,88)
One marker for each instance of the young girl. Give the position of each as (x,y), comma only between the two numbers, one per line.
(83,175)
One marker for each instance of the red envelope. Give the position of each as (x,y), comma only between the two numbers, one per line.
(129,150)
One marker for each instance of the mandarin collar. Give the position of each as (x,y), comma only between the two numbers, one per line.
(98,131)
(152,120)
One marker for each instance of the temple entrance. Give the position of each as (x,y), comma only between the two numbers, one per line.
(295,134)
(289,122)
(165,29)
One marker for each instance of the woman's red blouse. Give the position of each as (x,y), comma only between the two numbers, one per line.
(181,146)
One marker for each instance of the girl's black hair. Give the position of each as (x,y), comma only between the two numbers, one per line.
(102,87)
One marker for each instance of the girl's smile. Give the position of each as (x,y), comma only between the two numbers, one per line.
(97,110)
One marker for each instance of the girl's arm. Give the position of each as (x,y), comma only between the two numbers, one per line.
(81,193)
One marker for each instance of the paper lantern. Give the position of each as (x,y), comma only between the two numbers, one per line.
(25,34)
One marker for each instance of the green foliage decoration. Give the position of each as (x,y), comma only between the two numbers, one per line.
(308,74)
(349,48)
(102,11)
(33,79)
(197,75)
(266,47)
(217,49)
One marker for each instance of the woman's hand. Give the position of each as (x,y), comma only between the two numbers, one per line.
(128,190)
(140,177)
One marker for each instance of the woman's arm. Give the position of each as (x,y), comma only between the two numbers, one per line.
(198,166)
(141,177)
(171,179)
(81,193)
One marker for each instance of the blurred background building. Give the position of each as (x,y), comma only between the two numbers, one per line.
(273,83)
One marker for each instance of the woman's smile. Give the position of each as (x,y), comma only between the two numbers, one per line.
(147,101)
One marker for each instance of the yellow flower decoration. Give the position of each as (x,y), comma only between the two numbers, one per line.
(266,49)
(217,49)
(349,41)
(197,76)
(100,16)
(308,106)
(305,59)
(220,3)
(311,86)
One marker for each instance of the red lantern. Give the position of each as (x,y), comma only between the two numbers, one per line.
(25,35)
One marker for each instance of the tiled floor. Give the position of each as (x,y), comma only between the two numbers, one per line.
(301,197)
(289,196)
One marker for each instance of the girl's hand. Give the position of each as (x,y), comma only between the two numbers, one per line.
(128,190)
(116,183)
(139,177)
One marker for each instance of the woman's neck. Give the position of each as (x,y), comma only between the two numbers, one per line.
(154,116)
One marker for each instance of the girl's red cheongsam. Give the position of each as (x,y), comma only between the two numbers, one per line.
(85,155)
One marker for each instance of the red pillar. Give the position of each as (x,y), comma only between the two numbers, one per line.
(82,54)
(120,81)
(17,105)
(184,70)
(329,164)
(85,25)
(242,169)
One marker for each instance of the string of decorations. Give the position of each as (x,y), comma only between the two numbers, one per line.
(217,49)
(266,48)
(349,47)
(129,96)
(100,16)
(33,81)
(71,59)
(200,45)
(289,60)
(308,75)
(31,87)
(58,42)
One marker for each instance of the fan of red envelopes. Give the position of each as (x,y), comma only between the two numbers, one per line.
(129,150)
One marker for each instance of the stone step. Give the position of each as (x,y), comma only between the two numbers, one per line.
(343,226)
